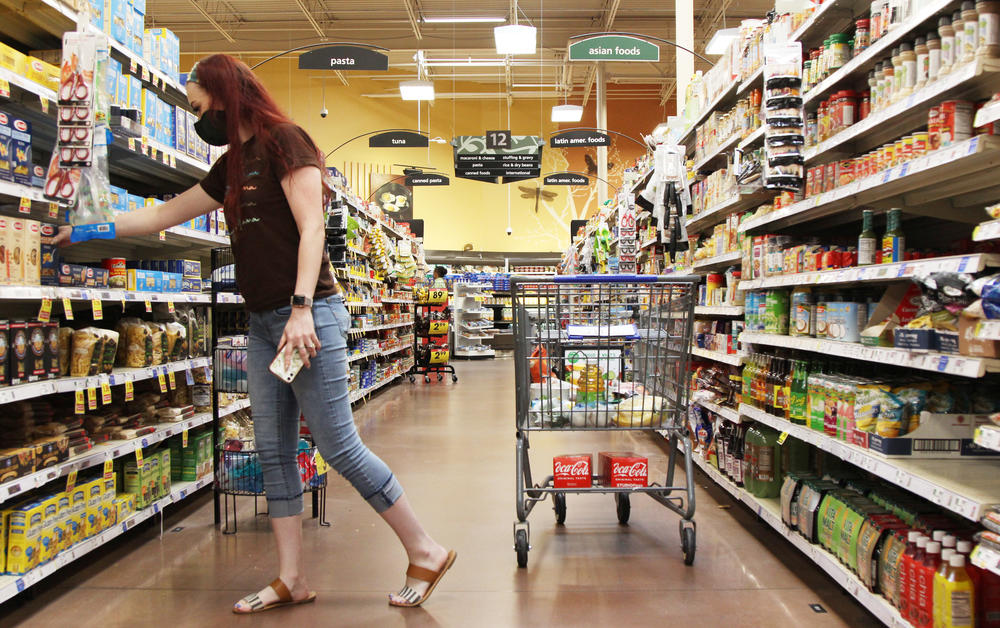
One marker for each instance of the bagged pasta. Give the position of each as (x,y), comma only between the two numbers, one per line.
(176,336)
(157,341)
(65,347)
(88,344)
(135,341)
(109,351)
(892,418)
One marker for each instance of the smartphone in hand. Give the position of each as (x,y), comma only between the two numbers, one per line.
(286,375)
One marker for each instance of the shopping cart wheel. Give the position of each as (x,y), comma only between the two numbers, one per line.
(559,505)
(688,544)
(440,377)
(427,379)
(454,379)
(412,379)
(521,547)
(624,507)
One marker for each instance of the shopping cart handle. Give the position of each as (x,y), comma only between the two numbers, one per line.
(607,278)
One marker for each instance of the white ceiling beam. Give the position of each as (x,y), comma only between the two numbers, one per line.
(312,21)
(610,13)
(211,20)
(413,12)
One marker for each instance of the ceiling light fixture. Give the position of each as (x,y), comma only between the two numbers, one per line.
(567,113)
(416,90)
(515,39)
(721,40)
(464,20)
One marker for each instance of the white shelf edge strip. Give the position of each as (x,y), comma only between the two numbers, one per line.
(725,258)
(719,310)
(734,359)
(8,292)
(234,407)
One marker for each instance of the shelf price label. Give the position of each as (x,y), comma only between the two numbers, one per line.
(67,308)
(71,480)
(79,405)
(163,382)
(438,328)
(4,88)
(184,439)
(781,439)
(129,391)
(109,468)
(91,398)
(105,393)
(53,210)
(138,456)
(170,305)
(25,205)
(98,309)
(45,311)
(163,236)
(171,380)
(149,306)
(189,377)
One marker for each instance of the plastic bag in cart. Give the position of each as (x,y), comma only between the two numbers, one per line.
(539,355)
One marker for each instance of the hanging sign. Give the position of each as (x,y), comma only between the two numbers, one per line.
(613,48)
(414,180)
(343,58)
(473,160)
(579,137)
(398,139)
(566,178)
(628,247)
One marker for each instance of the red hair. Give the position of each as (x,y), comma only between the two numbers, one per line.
(234,88)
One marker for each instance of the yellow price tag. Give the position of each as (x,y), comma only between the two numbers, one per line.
(68,308)
(152,152)
(163,383)
(321,467)
(105,393)
(149,306)
(781,439)
(132,66)
(45,312)
(163,236)
(184,439)
(439,356)
(438,328)
(45,103)
(129,391)
(53,210)
(4,88)
(98,309)
(145,74)
(80,406)
(109,468)
(138,456)
(437,296)
(131,144)
(25,205)
(171,380)
(71,480)
(145,146)
(91,398)
(170,305)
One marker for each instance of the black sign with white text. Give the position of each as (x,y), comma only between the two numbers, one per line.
(398,139)
(522,160)
(579,137)
(414,180)
(343,58)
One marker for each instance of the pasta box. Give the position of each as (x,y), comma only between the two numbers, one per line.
(939,436)
(51,451)
(20,151)
(49,272)
(191,285)
(37,366)
(17,369)
(16,462)
(4,364)
(52,348)
(5,142)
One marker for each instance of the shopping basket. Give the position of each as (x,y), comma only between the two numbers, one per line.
(603,352)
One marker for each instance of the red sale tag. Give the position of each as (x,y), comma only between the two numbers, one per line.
(129,391)
(79,407)
(45,312)
(25,205)
(53,210)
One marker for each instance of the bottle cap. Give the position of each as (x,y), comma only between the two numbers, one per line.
(948,541)
(933,547)
(922,541)
(946,554)
(964,547)
(957,560)
(937,535)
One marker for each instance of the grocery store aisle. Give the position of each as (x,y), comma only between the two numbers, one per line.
(453,448)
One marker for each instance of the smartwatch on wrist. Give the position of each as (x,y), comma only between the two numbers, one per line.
(299,300)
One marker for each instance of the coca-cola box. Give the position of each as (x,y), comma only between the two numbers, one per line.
(622,469)
(572,471)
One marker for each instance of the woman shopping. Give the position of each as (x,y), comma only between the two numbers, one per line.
(271,186)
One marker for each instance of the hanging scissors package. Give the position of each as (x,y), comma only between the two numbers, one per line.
(76,78)
(61,183)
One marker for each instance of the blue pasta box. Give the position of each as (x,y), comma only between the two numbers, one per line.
(201,223)
(135,202)
(192,268)
(134,92)
(119,199)
(37,176)
(121,94)
(172,282)
(20,151)
(180,129)
(189,284)
(137,27)
(116,17)
(192,137)
(114,72)
(5,156)
(139,6)
(95,10)
(50,255)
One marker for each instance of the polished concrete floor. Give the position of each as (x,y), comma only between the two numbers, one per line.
(453,448)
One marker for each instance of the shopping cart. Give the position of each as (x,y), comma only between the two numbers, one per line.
(596,353)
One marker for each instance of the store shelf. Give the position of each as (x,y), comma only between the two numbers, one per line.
(715,214)
(752,81)
(965,486)
(10,586)
(925,361)
(18,191)
(972,82)
(879,272)
(465,353)
(359,279)
(988,436)
(119,376)
(392,350)
(354,357)
(730,414)
(717,152)
(357,252)
(734,359)
(752,140)
(718,262)
(986,558)
(950,178)
(403,301)
(234,407)
(97,456)
(37,293)
(229,298)
(723,101)
(719,310)
(857,68)
(365,330)
(358,395)
(640,181)
(139,159)
(769,510)
(987,231)
(362,304)
(988,330)
(477,312)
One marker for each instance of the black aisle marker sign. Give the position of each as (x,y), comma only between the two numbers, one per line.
(566,178)
(579,137)
(398,139)
(343,58)
(414,180)
(473,160)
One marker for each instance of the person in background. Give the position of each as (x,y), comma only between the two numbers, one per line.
(270,183)
(439,275)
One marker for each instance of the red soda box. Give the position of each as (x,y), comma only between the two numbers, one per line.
(572,471)
(623,469)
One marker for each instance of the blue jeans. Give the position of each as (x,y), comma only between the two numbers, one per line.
(321,393)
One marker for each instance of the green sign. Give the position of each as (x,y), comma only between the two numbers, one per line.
(613,48)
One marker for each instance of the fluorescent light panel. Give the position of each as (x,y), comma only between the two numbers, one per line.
(720,41)
(567,113)
(515,39)
(416,90)
(464,20)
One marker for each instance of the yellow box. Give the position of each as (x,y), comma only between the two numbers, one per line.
(125,505)
(12,59)
(82,525)
(24,528)
(42,73)
(95,490)
(48,540)
(3,541)
(108,509)
(71,527)
(62,517)
(77,515)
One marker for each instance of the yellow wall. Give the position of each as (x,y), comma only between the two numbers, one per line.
(466,212)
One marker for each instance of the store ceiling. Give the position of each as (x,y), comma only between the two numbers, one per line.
(258,28)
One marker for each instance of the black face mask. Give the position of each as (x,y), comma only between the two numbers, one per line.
(211,127)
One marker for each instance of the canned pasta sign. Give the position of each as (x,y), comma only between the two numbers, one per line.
(628,247)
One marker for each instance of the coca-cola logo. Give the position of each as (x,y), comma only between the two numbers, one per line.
(634,470)
(580,467)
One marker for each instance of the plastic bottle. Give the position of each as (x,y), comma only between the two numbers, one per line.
(923,61)
(989,28)
(769,475)
(893,241)
(925,588)
(873,79)
(933,56)
(970,18)
(958,606)
(875,21)
(867,240)
(913,581)
(897,75)
(947,33)
(906,569)
(939,579)
(987,590)
(908,78)
(958,23)
(887,82)
(750,441)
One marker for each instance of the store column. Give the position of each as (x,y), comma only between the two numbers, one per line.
(602,123)
(684,36)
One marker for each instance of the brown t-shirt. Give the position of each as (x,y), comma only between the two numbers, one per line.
(266,242)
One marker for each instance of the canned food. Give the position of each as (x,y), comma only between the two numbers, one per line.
(919,144)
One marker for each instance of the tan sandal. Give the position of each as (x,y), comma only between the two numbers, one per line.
(284,599)
(427,575)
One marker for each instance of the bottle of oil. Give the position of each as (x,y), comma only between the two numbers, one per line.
(958,604)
